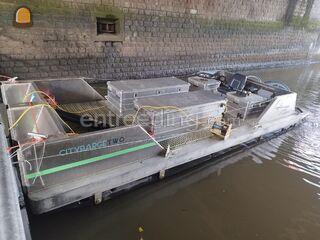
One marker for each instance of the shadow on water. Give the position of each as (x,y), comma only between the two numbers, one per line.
(268,192)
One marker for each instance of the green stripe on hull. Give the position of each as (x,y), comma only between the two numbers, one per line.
(88,161)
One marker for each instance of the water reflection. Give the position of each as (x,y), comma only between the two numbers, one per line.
(302,146)
(268,150)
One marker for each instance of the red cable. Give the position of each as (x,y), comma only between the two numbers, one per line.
(3,76)
(22,145)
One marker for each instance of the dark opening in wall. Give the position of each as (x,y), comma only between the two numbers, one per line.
(106,26)
(109,29)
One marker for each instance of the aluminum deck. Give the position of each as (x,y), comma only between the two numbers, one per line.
(66,168)
(135,169)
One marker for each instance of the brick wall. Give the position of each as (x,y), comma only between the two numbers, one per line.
(161,37)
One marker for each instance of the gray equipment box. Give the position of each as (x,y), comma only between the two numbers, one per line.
(168,116)
(129,89)
(204,83)
(121,94)
(242,106)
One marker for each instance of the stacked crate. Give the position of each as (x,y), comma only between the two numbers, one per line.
(121,94)
(169,116)
(204,83)
(241,106)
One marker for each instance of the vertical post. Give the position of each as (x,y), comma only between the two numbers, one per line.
(292,4)
(246,111)
(97,198)
(308,10)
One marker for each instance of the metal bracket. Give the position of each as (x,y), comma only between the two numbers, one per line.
(97,198)
(162,174)
(168,151)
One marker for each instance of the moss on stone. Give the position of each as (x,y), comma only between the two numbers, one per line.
(46,7)
(244,25)
(7,6)
(111,13)
(61,8)
(38,7)
(55,7)
(309,25)
(108,12)
(314,25)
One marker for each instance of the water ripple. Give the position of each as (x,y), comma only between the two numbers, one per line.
(301,148)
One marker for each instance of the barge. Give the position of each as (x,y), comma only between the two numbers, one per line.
(70,143)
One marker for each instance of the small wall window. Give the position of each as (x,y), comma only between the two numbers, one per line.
(109,29)
(106,26)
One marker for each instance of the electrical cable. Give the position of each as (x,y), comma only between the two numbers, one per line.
(24,113)
(39,164)
(34,118)
(3,76)
(20,145)
(38,167)
(28,109)
(116,145)
(160,108)
(58,106)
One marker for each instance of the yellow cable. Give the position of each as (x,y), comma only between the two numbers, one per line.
(160,108)
(29,108)
(143,107)
(135,116)
(61,108)
(23,114)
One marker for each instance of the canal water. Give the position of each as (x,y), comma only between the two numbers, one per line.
(271,191)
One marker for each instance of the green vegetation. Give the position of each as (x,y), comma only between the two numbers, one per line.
(109,12)
(244,25)
(43,7)
(60,8)
(37,6)
(306,24)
